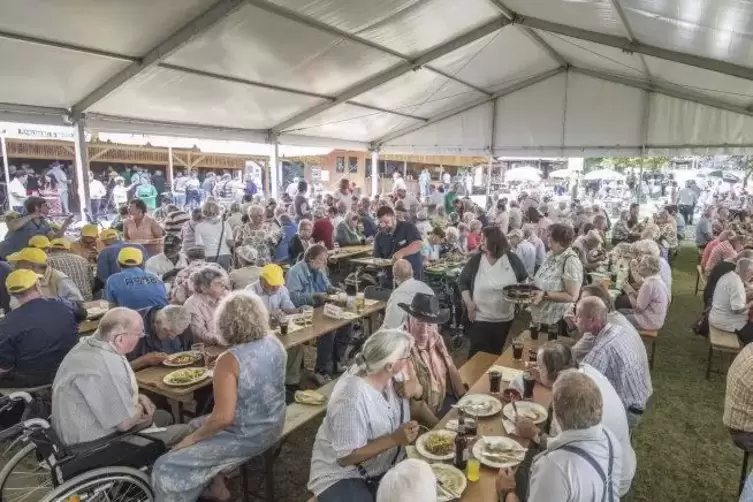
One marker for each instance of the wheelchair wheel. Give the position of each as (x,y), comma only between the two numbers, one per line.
(108,484)
(24,477)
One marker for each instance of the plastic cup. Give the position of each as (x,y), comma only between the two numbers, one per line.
(495,381)
(517,350)
(473,470)
(308,315)
(528,385)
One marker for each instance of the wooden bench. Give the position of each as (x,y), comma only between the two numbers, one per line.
(648,335)
(722,342)
(700,279)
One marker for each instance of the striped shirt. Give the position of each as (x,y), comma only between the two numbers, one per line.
(722,251)
(174,222)
(620,355)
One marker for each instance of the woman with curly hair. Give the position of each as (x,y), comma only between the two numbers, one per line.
(249,407)
(210,284)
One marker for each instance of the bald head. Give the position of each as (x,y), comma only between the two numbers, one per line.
(402,271)
(591,315)
(117,322)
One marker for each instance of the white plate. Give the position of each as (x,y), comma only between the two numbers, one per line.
(421,446)
(167,378)
(449,471)
(196,357)
(509,412)
(496,463)
(480,405)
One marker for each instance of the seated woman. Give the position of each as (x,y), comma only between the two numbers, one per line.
(430,361)
(346,233)
(249,407)
(247,272)
(621,232)
(588,248)
(432,248)
(650,303)
(367,422)
(300,241)
(729,305)
(210,284)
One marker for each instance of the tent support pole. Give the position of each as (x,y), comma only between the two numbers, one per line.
(491,150)
(644,136)
(170,174)
(274,168)
(82,169)
(6,170)
(374,172)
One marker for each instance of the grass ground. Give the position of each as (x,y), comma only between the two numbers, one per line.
(684,452)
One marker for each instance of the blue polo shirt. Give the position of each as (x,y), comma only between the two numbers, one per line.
(34,339)
(136,289)
(386,244)
(151,343)
(107,261)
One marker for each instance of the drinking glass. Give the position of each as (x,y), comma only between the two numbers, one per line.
(200,349)
(308,315)
(472,469)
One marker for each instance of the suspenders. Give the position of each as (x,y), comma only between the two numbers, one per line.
(608,494)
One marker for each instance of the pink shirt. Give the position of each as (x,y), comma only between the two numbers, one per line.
(707,253)
(202,309)
(650,307)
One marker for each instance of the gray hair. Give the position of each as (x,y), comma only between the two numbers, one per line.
(528,230)
(341,207)
(385,347)
(577,401)
(304,222)
(241,317)
(235,207)
(647,247)
(313,252)
(475,225)
(650,264)
(202,278)
(743,267)
(593,307)
(319,213)
(409,481)
(421,215)
(402,270)
(285,219)
(556,357)
(114,322)
(255,210)
(174,317)
(210,209)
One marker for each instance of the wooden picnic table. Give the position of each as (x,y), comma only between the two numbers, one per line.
(372,262)
(150,378)
(484,490)
(92,322)
(349,251)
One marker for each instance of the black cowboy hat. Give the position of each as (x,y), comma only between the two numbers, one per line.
(425,307)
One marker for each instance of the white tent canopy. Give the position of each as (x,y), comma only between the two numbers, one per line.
(499,77)
(604,174)
(561,174)
(525,173)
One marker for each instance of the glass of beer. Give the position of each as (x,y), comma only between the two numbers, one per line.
(360,302)
(308,315)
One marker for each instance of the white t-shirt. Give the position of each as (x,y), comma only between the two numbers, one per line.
(347,198)
(399,184)
(208,235)
(97,189)
(729,295)
(411,201)
(16,187)
(487,290)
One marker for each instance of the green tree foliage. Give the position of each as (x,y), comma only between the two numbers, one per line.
(622,164)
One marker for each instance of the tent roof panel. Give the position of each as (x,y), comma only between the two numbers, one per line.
(490,63)
(46,76)
(284,53)
(594,15)
(166,95)
(130,28)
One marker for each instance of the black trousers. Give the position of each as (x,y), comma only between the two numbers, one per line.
(746,333)
(687,213)
(488,337)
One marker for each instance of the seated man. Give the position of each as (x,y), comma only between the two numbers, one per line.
(73,265)
(36,335)
(738,400)
(86,245)
(271,289)
(729,305)
(107,261)
(51,282)
(407,287)
(170,261)
(618,354)
(95,393)
(134,287)
(584,461)
(166,331)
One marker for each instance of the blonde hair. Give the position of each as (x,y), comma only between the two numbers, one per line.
(210,209)
(241,317)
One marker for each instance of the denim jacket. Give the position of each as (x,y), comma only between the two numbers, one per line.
(302,282)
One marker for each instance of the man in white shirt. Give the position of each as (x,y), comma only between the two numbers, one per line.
(446,179)
(167,264)
(436,196)
(686,201)
(292,188)
(408,199)
(406,289)
(17,191)
(179,189)
(398,183)
(729,306)
(97,193)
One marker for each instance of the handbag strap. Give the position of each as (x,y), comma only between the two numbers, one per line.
(362,469)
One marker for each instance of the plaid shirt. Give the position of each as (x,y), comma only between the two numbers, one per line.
(621,356)
(722,251)
(76,268)
(738,401)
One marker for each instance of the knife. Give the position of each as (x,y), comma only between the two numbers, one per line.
(447,490)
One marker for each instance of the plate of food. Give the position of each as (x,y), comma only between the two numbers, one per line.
(480,405)
(185,377)
(526,409)
(498,452)
(437,445)
(451,482)
(180,359)
(520,293)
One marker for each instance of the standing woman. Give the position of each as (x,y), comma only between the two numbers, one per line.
(141,227)
(215,235)
(481,283)
(559,278)
(249,408)
(367,424)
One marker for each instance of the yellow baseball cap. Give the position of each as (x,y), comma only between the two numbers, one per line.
(20,280)
(32,255)
(130,256)
(273,275)
(108,234)
(90,231)
(13,257)
(39,242)
(60,243)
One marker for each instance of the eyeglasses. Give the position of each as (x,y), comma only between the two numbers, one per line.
(142,334)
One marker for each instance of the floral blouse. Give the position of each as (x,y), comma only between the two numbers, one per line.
(551,276)
(263,239)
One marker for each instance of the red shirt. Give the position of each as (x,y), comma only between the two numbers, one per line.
(473,240)
(322,232)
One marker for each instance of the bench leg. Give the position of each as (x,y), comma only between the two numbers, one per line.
(743,473)
(697,281)
(708,365)
(269,474)
(653,353)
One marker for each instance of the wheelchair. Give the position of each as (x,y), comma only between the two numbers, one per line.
(38,467)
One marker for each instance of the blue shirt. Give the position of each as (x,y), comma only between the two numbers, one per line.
(136,289)
(151,343)
(303,281)
(405,234)
(34,339)
(277,301)
(282,249)
(107,261)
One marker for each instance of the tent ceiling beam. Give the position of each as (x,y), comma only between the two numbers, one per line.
(531,34)
(200,24)
(26,114)
(253,83)
(394,72)
(326,28)
(637,47)
(65,46)
(451,113)
(624,20)
(664,89)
